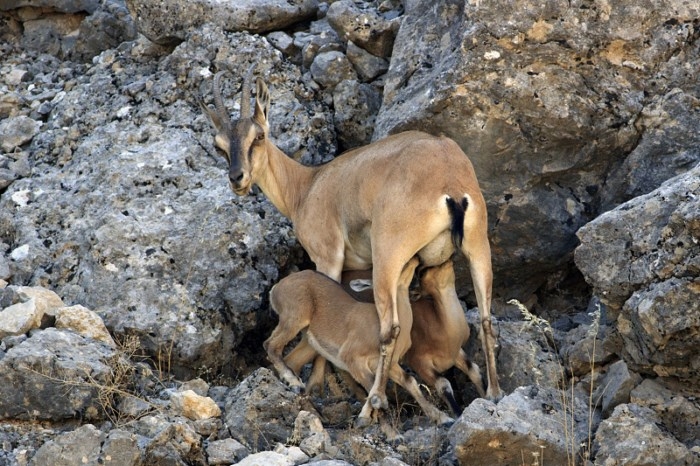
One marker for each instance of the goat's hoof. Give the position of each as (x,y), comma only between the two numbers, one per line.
(362,422)
(378,402)
(447,422)
(495,397)
(395,440)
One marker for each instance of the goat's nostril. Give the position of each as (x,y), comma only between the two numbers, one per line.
(236,178)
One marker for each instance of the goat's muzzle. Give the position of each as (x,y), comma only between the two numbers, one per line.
(240,183)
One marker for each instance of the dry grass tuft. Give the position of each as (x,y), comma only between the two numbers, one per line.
(576,453)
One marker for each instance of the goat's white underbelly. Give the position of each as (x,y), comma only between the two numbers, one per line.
(320,349)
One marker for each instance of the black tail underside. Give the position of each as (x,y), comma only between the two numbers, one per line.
(457,212)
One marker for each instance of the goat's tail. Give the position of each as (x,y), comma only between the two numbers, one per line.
(457,212)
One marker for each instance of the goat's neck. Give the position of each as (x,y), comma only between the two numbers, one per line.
(285,182)
(448,307)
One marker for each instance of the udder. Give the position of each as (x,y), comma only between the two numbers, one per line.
(438,251)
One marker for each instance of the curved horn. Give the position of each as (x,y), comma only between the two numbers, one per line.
(245,93)
(218,101)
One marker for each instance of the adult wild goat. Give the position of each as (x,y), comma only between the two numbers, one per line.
(376,207)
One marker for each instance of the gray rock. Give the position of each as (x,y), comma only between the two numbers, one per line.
(656,328)
(182,16)
(583,349)
(645,240)
(616,387)
(632,436)
(668,147)
(133,407)
(677,410)
(283,42)
(313,438)
(225,451)
(54,34)
(87,445)
(17,131)
(356,106)
(4,268)
(530,420)
(261,411)
(368,66)
(641,259)
(63,6)
(524,356)
(365,28)
(174,443)
(266,458)
(105,28)
(293,453)
(81,446)
(54,375)
(313,44)
(330,68)
(120,448)
(6,178)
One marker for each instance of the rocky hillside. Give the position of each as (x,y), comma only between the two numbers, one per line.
(134,284)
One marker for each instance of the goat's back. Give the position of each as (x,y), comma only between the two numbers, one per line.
(411,161)
(326,304)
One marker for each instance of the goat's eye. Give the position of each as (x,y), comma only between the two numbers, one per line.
(259,137)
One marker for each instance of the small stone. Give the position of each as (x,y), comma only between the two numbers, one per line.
(85,322)
(225,451)
(19,318)
(330,68)
(17,131)
(194,406)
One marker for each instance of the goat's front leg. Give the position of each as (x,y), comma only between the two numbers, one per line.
(385,300)
(471,370)
(376,398)
(409,383)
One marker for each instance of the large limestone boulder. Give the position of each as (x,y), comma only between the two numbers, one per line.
(75,29)
(547,99)
(54,375)
(635,435)
(642,260)
(531,420)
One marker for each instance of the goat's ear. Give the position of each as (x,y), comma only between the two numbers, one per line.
(262,102)
(360,284)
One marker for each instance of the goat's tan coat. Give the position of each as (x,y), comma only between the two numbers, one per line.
(341,329)
(438,333)
(376,206)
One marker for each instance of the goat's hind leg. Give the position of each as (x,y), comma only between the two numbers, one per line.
(274,346)
(477,249)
